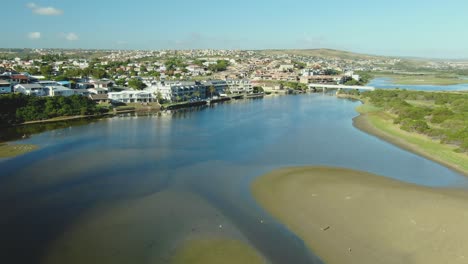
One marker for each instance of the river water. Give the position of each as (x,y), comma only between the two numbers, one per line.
(387,83)
(129,189)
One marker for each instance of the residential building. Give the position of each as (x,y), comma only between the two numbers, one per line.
(31,89)
(19,78)
(99,98)
(238,86)
(5,87)
(58,90)
(131,96)
(324,79)
(186,90)
(97,91)
(219,85)
(106,84)
(65,83)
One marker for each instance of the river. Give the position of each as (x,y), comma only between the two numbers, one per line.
(387,83)
(129,188)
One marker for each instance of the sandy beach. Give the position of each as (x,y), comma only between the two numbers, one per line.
(348,216)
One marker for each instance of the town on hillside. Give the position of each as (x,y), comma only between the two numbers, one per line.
(176,76)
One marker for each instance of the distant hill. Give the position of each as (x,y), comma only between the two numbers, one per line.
(324,53)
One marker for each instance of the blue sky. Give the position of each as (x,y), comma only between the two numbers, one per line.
(425,28)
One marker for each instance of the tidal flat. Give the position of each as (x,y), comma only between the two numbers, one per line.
(348,216)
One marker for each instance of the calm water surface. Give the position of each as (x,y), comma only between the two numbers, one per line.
(386,83)
(129,189)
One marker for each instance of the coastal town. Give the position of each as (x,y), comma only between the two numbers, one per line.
(125,76)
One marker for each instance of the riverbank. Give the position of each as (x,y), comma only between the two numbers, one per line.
(347,216)
(13,150)
(376,122)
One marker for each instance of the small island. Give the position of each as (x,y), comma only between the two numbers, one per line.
(347,216)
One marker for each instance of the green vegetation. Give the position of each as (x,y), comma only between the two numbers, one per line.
(445,120)
(136,84)
(257,89)
(19,108)
(294,85)
(173,63)
(221,65)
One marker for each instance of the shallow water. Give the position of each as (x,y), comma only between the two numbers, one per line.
(107,186)
(387,83)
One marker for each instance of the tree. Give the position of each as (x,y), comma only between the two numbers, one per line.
(211,89)
(257,89)
(136,84)
(99,73)
(46,70)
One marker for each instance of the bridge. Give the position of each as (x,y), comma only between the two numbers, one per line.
(340,86)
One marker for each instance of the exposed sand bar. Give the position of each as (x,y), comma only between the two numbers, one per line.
(13,150)
(215,251)
(348,216)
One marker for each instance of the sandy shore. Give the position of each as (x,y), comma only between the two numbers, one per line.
(363,123)
(216,251)
(347,216)
(13,150)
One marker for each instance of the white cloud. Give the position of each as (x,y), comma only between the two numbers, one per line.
(34,35)
(70,36)
(44,10)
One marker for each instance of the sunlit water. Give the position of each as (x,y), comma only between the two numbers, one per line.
(129,189)
(387,83)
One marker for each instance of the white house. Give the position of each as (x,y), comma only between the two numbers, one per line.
(97,90)
(57,90)
(162,88)
(239,86)
(31,89)
(131,96)
(286,67)
(5,87)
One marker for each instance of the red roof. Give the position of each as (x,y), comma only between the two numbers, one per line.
(19,77)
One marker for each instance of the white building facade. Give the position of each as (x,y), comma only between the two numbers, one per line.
(131,96)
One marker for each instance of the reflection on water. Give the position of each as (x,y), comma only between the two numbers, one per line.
(387,83)
(133,187)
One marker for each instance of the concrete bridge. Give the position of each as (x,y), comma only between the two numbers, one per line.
(340,86)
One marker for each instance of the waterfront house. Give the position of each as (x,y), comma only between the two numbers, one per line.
(5,87)
(99,98)
(220,86)
(238,86)
(31,89)
(131,96)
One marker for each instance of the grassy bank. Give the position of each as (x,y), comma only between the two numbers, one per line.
(375,121)
(216,251)
(347,216)
(13,150)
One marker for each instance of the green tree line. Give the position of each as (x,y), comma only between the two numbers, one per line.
(19,108)
(440,115)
